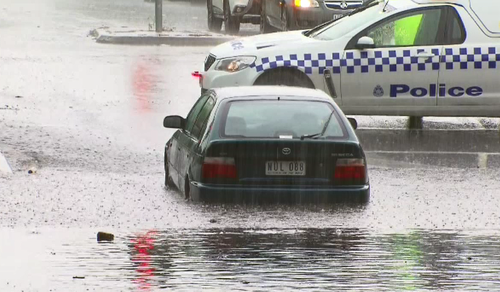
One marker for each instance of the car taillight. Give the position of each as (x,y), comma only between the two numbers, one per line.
(350,171)
(198,75)
(219,167)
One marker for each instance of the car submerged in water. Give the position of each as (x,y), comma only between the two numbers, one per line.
(260,143)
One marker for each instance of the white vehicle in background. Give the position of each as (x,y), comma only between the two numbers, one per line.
(232,13)
(398,57)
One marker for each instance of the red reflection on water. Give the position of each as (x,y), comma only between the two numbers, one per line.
(142,83)
(143,245)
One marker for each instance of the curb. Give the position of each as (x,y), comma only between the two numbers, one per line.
(448,141)
(4,165)
(431,148)
(434,159)
(155,39)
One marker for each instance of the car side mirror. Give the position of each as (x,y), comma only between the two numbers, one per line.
(365,43)
(175,122)
(353,122)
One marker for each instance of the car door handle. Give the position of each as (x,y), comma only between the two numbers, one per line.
(425,55)
(329,83)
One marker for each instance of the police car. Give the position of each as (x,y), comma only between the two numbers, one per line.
(396,57)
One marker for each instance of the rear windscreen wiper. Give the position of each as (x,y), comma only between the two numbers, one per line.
(310,136)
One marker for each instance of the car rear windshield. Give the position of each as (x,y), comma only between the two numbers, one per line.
(281,119)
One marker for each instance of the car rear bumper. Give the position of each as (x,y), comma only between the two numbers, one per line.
(210,193)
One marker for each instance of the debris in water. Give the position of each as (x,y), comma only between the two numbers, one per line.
(93,33)
(103,236)
(213,221)
(78,277)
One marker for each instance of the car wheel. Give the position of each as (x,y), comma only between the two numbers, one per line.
(168,180)
(187,196)
(286,77)
(231,23)
(285,25)
(214,23)
(265,27)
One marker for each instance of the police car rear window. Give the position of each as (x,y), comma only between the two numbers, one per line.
(281,118)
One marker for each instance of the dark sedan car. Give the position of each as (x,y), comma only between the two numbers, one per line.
(301,14)
(265,142)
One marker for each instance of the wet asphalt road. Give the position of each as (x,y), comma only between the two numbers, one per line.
(87,120)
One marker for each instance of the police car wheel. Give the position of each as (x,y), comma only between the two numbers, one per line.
(231,23)
(265,27)
(286,77)
(214,23)
(187,195)
(169,184)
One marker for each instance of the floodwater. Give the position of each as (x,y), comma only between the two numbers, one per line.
(86,119)
(243,259)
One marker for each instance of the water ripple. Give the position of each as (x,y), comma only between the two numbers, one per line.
(284,259)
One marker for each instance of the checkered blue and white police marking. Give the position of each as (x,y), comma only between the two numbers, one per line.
(383,61)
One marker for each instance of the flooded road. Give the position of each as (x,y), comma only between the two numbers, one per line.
(252,260)
(81,128)
(439,232)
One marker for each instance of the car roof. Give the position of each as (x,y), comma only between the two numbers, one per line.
(273,90)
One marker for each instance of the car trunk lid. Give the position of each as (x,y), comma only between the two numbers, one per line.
(281,162)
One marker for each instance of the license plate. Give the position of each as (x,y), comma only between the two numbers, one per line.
(289,168)
(337,16)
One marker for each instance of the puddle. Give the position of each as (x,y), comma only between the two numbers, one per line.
(250,259)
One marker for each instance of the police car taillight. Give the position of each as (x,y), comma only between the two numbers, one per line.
(219,167)
(350,171)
